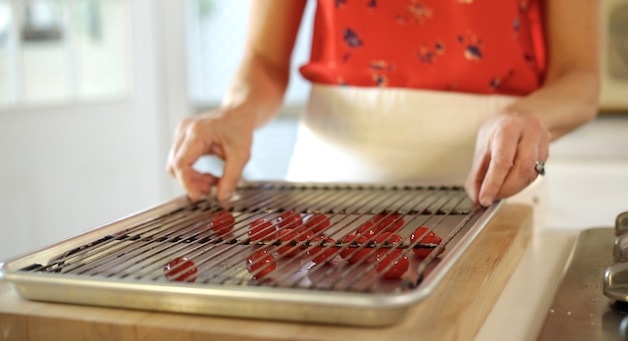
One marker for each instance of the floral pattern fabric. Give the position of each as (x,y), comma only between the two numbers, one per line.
(473,46)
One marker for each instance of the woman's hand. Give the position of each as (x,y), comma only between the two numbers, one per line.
(253,98)
(226,134)
(507,148)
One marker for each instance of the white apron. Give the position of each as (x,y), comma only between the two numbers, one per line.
(392,136)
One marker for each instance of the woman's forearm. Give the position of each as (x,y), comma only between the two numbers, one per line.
(262,78)
(569,95)
(258,87)
(563,104)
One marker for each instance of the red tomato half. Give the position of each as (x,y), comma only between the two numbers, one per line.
(286,248)
(289,220)
(321,254)
(388,238)
(261,263)
(262,229)
(399,266)
(303,234)
(180,269)
(388,222)
(222,222)
(317,222)
(381,222)
(367,229)
(355,254)
(426,238)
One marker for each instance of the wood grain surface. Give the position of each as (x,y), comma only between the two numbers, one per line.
(455,310)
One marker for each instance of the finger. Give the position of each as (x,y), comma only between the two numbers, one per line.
(477,174)
(522,172)
(190,150)
(199,184)
(543,149)
(533,147)
(503,150)
(235,161)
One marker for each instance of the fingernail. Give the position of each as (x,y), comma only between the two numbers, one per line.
(225,196)
(486,201)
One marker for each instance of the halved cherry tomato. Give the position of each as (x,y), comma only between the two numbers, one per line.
(317,222)
(262,229)
(180,269)
(321,254)
(289,220)
(222,222)
(367,229)
(303,234)
(286,248)
(388,238)
(426,238)
(400,264)
(381,222)
(355,254)
(391,222)
(261,263)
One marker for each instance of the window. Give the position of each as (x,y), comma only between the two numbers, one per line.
(63,51)
(216,34)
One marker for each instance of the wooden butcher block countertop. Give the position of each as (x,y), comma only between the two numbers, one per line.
(455,310)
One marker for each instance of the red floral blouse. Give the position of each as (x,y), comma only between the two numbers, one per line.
(475,46)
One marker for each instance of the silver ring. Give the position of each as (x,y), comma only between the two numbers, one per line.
(539,167)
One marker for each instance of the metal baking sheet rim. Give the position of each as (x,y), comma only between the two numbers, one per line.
(299,305)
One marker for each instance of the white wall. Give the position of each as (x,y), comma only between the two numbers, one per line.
(587,175)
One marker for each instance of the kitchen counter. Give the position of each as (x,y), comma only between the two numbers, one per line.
(521,309)
(455,310)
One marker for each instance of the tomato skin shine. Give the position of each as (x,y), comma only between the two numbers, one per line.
(261,263)
(180,269)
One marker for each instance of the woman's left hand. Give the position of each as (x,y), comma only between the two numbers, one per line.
(507,148)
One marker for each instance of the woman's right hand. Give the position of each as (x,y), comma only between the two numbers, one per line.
(254,97)
(224,133)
